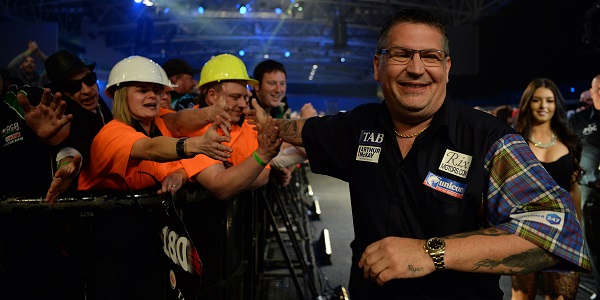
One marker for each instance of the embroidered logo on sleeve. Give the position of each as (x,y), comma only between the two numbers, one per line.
(445,185)
(456,163)
(550,218)
(369,146)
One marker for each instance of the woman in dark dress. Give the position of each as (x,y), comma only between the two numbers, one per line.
(542,121)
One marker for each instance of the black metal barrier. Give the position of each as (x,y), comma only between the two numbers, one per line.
(96,247)
(255,246)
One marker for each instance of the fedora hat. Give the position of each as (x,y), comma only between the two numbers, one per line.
(62,64)
(178,66)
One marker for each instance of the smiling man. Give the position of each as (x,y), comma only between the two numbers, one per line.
(225,76)
(271,87)
(444,198)
(77,82)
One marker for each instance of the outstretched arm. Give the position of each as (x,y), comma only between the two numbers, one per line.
(289,130)
(163,148)
(47,120)
(68,168)
(190,120)
(250,174)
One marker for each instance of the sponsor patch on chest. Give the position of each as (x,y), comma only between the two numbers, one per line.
(445,185)
(456,163)
(369,146)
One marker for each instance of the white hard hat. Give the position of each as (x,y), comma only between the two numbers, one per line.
(136,69)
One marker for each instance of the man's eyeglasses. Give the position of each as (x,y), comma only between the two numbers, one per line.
(74,86)
(429,57)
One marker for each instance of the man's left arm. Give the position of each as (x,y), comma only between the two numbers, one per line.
(484,251)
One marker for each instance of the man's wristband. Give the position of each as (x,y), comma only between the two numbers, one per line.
(62,164)
(258,160)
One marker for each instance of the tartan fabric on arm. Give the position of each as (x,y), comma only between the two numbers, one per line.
(519,184)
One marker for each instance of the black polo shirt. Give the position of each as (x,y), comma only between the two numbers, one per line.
(436,190)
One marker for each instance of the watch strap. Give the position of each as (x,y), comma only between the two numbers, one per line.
(180,148)
(438,260)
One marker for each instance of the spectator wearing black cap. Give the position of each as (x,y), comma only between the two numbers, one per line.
(76,81)
(181,74)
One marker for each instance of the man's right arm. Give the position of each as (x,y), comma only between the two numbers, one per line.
(291,130)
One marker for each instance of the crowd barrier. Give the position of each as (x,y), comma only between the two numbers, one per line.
(147,246)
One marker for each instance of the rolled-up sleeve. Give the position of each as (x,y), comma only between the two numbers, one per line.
(523,199)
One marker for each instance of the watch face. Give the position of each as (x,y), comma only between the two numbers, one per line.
(436,244)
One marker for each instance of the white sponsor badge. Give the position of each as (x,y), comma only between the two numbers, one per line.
(369,146)
(456,163)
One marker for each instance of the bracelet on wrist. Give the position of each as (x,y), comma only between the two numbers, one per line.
(258,160)
(62,164)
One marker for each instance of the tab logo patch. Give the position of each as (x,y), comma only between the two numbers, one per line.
(445,185)
(369,146)
(550,218)
(456,163)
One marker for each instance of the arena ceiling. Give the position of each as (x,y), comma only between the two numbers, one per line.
(336,36)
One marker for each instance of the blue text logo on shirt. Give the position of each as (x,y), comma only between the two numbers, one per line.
(445,185)
(369,146)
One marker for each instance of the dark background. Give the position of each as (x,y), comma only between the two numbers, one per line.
(496,50)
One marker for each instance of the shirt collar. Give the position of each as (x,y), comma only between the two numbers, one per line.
(441,123)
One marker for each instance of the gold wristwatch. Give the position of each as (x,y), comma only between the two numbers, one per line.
(435,247)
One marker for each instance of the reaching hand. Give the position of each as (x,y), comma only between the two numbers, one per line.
(62,179)
(256,115)
(47,120)
(268,141)
(307,111)
(32,47)
(283,176)
(209,143)
(220,108)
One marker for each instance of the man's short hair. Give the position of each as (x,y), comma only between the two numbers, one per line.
(267,66)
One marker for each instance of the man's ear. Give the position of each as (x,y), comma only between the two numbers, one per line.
(211,97)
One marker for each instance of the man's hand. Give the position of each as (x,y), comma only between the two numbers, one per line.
(395,257)
(47,120)
(257,115)
(308,111)
(221,109)
(63,178)
(268,141)
(283,176)
(209,143)
(32,47)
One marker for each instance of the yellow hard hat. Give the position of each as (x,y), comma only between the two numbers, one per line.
(224,67)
